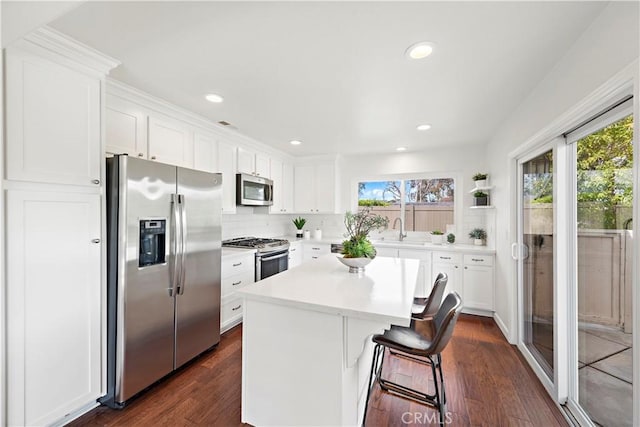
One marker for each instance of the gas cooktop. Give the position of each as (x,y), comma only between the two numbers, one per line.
(262,245)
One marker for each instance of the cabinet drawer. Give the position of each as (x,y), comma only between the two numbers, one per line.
(478,260)
(446,257)
(317,249)
(233,283)
(236,265)
(230,309)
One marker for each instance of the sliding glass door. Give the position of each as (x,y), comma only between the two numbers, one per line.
(576,254)
(536,254)
(603,216)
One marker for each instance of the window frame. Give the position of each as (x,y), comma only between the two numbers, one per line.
(458,198)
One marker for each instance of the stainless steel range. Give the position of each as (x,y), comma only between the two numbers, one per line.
(272,256)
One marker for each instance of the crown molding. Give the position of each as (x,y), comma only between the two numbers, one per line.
(159,105)
(59,43)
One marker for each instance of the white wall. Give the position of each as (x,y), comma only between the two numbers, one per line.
(608,45)
(461,161)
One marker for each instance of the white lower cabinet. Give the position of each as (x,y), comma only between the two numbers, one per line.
(314,250)
(477,281)
(53,305)
(471,276)
(295,254)
(238,270)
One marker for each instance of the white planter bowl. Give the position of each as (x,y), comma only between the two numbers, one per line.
(437,239)
(478,242)
(356,265)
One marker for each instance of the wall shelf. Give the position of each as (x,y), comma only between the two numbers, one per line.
(481,189)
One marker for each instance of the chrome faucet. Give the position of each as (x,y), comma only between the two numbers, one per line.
(402,232)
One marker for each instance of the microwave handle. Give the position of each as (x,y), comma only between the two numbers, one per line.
(269,193)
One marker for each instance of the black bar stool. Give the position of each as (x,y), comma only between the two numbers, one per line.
(428,347)
(426,308)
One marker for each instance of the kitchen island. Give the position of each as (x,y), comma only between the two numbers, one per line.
(306,339)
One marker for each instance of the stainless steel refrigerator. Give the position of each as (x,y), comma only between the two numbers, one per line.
(164,248)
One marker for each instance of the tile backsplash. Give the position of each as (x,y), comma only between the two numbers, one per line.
(258,222)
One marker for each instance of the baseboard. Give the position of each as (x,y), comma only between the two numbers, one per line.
(503,328)
(75,414)
(230,325)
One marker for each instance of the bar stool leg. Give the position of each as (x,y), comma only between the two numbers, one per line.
(372,378)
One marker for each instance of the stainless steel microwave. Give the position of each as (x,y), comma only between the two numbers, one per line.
(253,190)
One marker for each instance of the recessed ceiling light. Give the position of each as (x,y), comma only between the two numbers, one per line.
(419,50)
(295,142)
(212,97)
(423,127)
(401,149)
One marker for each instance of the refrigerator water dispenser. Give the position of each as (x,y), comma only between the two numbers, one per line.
(152,242)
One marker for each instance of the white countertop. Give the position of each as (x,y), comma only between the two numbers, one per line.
(384,292)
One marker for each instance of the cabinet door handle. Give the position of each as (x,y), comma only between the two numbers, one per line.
(236,308)
(477,259)
(466,268)
(140,154)
(315,249)
(292,250)
(314,257)
(445,257)
(153,157)
(456,266)
(237,265)
(95,181)
(236,283)
(95,241)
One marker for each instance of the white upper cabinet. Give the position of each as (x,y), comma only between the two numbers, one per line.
(226,166)
(170,142)
(53,122)
(315,187)
(126,128)
(282,177)
(205,153)
(287,188)
(253,163)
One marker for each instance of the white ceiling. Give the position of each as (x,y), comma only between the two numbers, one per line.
(334,74)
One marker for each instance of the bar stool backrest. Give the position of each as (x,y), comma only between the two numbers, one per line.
(445,321)
(435,297)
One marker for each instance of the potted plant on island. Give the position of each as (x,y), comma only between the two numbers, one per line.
(481,198)
(436,237)
(299,223)
(478,235)
(480,180)
(358,250)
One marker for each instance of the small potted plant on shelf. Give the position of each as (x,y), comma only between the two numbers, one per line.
(436,237)
(299,223)
(481,198)
(451,238)
(478,235)
(480,180)
(358,250)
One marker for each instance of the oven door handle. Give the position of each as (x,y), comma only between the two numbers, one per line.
(282,255)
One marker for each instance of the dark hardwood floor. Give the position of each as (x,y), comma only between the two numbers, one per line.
(487,383)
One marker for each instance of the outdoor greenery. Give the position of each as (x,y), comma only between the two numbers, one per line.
(373,202)
(358,226)
(604,177)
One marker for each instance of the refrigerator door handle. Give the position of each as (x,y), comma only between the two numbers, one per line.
(176,232)
(183,243)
